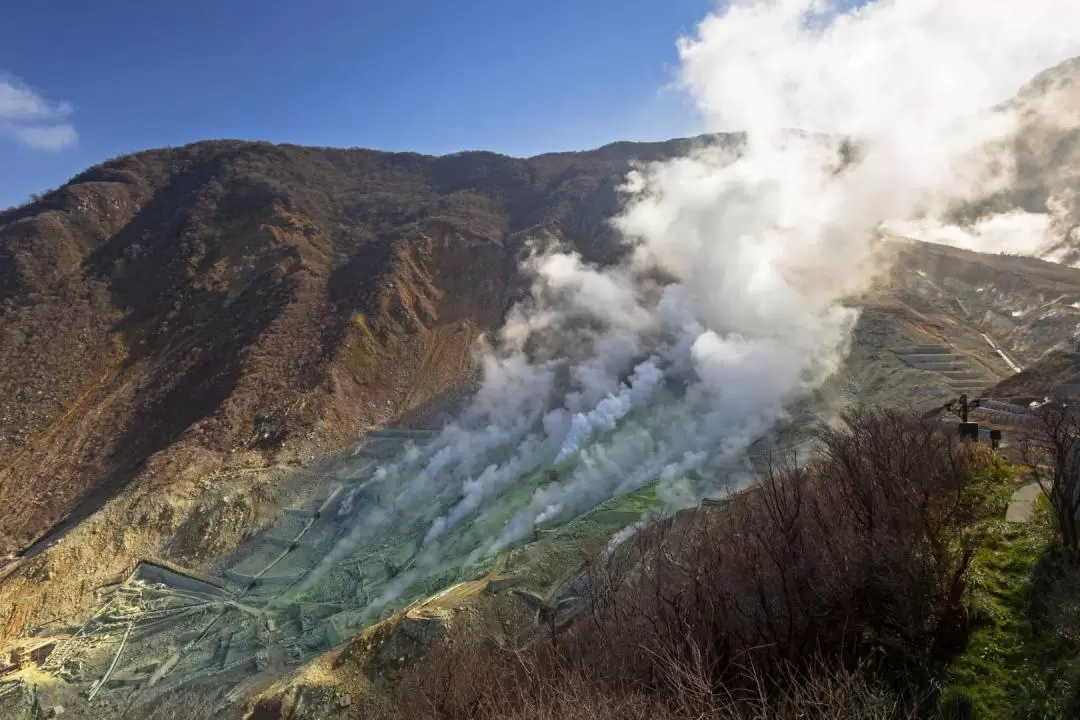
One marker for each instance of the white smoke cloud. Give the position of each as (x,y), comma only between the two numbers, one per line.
(854,121)
(607,413)
(911,76)
(1016,232)
(874,115)
(881,70)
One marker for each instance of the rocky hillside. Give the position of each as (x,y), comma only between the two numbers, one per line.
(232,303)
(181,329)
(985,316)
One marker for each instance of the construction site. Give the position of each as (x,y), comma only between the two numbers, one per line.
(164,628)
(331,565)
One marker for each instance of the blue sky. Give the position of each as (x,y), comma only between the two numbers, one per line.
(82,81)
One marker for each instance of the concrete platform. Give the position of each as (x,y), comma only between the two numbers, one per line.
(256,562)
(302,513)
(1022,505)
(262,584)
(941,366)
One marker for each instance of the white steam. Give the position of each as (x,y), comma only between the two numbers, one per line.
(607,413)
(1015,232)
(852,120)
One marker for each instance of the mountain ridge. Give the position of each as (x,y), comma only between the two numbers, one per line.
(185,332)
(140,288)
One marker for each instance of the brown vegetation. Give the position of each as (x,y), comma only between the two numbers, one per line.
(830,590)
(476,680)
(1051,451)
(228,297)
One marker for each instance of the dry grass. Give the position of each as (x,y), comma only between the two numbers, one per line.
(478,680)
(1049,452)
(825,592)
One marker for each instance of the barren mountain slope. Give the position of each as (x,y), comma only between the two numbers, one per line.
(185,325)
(229,297)
(181,329)
(249,304)
(944,321)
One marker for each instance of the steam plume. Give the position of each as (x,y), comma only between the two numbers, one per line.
(853,120)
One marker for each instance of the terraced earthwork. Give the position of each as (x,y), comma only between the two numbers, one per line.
(958,372)
(352,553)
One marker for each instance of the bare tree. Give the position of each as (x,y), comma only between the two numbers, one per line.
(1051,452)
(805,596)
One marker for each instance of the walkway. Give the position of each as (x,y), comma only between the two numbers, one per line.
(1022,504)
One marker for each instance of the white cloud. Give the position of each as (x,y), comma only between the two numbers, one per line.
(31,119)
(46,137)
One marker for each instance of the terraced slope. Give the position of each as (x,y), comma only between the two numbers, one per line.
(957,371)
(312,580)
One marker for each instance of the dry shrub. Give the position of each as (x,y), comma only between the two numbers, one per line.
(480,680)
(807,596)
(1050,453)
(863,554)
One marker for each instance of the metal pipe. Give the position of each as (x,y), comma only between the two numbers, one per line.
(116,659)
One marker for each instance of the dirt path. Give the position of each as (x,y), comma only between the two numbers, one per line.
(1022,504)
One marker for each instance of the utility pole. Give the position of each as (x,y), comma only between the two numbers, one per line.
(968,430)
(962,409)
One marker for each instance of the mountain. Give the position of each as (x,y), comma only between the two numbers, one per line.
(187,334)
(228,304)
